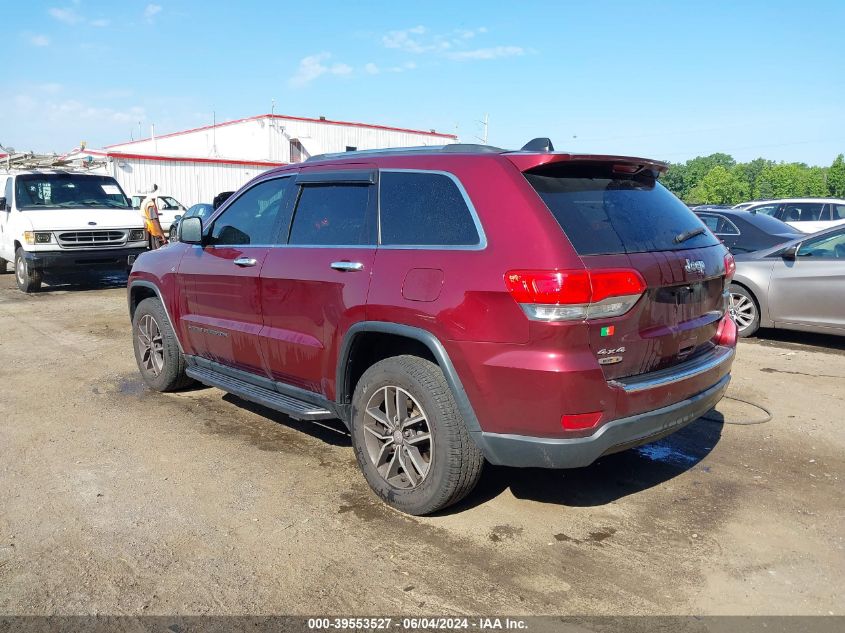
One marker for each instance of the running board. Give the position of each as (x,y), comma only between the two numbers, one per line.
(293,407)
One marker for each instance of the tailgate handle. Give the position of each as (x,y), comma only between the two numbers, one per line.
(245,261)
(347,267)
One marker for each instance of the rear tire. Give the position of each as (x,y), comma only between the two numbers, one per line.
(409,437)
(745,311)
(27,279)
(157,352)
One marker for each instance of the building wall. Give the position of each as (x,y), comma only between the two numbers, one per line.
(189,182)
(269,138)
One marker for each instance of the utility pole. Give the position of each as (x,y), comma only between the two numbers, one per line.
(485,126)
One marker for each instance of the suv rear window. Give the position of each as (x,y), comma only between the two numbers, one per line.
(602,212)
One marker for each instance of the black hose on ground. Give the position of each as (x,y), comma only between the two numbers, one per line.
(742,422)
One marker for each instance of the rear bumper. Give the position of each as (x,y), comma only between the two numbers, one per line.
(105,258)
(615,436)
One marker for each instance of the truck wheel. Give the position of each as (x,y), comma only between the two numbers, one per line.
(409,437)
(157,353)
(28,280)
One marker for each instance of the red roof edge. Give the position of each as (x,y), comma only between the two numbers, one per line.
(292,118)
(189,159)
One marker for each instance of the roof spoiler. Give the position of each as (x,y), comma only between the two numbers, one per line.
(622,164)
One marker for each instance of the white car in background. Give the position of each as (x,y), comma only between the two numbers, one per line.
(808,215)
(169,208)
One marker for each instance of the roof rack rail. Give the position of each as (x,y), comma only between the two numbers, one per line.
(75,160)
(452,148)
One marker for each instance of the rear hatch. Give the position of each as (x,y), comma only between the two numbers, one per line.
(617,216)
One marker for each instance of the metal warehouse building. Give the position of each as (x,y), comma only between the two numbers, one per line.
(195,165)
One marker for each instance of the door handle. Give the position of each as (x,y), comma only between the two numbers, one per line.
(347,267)
(245,261)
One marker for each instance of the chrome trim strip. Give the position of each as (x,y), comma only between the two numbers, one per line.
(678,373)
(482,237)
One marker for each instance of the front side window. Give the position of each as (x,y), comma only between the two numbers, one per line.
(424,209)
(333,214)
(825,247)
(254,216)
(62,190)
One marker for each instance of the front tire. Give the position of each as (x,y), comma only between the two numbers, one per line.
(27,279)
(157,352)
(744,310)
(409,437)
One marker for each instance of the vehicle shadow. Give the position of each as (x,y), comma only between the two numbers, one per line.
(88,280)
(608,479)
(796,339)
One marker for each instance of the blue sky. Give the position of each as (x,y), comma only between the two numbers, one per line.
(669,80)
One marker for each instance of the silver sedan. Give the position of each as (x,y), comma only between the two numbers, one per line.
(799,285)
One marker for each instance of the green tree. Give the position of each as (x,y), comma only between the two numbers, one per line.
(719,186)
(836,177)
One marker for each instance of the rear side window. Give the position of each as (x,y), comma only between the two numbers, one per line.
(838,211)
(605,213)
(802,212)
(424,209)
(254,216)
(333,215)
(719,224)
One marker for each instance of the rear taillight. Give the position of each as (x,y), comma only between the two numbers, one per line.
(568,295)
(726,332)
(730,268)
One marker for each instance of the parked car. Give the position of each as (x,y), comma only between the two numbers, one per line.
(745,205)
(53,220)
(169,208)
(450,305)
(808,215)
(710,207)
(744,232)
(201,210)
(799,285)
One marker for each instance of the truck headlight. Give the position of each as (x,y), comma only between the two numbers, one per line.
(37,237)
(137,235)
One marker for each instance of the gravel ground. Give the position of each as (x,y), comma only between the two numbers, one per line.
(118,500)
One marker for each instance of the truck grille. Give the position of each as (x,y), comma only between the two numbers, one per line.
(87,239)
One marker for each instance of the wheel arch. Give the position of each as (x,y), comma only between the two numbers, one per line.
(348,372)
(139,290)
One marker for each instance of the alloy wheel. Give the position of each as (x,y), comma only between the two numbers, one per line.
(742,310)
(398,438)
(150,345)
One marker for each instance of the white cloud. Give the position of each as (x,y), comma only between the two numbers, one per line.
(371,69)
(414,40)
(495,52)
(151,11)
(314,66)
(375,69)
(39,40)
(50,88)
(100,23)
(68,16)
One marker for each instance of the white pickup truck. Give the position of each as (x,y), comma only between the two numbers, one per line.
(52,220)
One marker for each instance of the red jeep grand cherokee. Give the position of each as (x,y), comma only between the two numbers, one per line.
(450,305)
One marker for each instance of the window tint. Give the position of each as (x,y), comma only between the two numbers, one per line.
(424,209)
(719,224)
(333,215)
(827,247)
(802,212)
(252,217)
(838,211)
(602,212)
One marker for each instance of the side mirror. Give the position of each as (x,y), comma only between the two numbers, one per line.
(3,204)
(791,252)
(190,231)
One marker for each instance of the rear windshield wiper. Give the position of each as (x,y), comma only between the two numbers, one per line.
(687,235)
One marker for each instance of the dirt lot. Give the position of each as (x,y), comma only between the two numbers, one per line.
(122,501)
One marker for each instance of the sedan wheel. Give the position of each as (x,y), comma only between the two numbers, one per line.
(744,312)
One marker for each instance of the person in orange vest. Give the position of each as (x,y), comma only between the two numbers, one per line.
(150,212)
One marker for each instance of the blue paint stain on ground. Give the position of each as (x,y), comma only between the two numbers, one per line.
(665,452)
